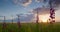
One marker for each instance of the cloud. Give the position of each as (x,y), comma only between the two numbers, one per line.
(28,18)
(1,16)
(55,3)
(25,17)
(22,2)
(38,1)
(41,10)
(43,1)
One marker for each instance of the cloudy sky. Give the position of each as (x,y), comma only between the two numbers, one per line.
(27,9)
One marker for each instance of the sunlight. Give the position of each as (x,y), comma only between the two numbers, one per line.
(43,18)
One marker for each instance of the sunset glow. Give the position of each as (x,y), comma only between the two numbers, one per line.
(43,18)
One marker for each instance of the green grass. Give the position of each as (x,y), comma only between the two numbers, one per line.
(31,27)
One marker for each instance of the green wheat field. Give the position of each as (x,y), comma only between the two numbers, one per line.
(31,27)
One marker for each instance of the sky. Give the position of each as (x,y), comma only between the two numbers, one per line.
(26,9)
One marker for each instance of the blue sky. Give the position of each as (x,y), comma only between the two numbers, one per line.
(7,7)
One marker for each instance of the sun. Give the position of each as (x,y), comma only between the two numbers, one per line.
(43,18)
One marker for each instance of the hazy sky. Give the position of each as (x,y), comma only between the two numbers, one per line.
(25,8)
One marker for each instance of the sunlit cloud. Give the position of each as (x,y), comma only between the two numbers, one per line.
(57,16)
(41,10)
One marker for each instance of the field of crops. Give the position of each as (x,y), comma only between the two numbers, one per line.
(31,27)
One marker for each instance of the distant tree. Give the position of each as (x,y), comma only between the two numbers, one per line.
(19,24)
(4,23)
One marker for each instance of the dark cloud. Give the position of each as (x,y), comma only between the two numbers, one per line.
(55,3)
(41,10)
